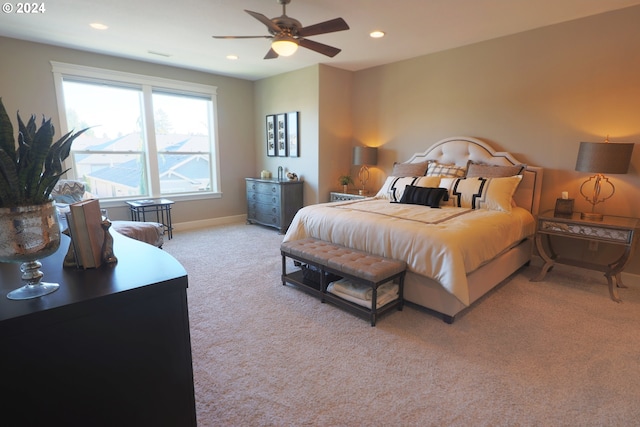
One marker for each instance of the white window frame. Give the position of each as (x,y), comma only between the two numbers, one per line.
(147,84)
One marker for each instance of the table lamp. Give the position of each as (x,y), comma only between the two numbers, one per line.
(364,156)
(601,158)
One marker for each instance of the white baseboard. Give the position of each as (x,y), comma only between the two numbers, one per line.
(193,225)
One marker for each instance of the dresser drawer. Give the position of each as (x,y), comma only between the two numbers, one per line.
(263,187)
(267,218)
(261,208)
(266,198)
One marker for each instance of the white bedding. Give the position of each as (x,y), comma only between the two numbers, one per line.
(443,244)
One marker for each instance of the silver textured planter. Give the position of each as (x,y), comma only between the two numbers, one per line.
(29,233)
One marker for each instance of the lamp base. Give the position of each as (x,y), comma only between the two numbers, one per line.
(591,216)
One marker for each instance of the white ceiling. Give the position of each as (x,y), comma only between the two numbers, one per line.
(182,29)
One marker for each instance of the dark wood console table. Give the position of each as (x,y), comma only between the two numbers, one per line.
(110,347)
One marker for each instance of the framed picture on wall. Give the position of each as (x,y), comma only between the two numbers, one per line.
(281,134)
(271,136)
(293,139)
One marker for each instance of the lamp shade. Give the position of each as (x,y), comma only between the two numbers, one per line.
(604,157)
(365,155)
(284,45)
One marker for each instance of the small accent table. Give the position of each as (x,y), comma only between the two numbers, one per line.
(162,208)
(614,230)
(338,196)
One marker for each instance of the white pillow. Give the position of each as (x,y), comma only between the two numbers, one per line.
(481,193)
(394,186)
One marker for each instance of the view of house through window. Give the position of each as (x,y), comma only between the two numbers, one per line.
(110,157)
(144,141)
(183,142)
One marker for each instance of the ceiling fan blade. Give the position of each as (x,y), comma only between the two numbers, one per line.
(271,54)
(331,26)
(266,21)
(241,37)
(319,47)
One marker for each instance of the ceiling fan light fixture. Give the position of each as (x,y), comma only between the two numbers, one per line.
(284,45)
(98,26)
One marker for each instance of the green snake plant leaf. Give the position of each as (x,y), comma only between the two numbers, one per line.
(6,133)
(30,170)
(8,179)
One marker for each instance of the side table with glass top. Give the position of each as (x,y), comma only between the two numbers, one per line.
(161,207)
(615,230)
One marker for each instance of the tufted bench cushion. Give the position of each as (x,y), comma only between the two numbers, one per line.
(359,266)
(369,267)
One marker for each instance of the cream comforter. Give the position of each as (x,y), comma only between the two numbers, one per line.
(443,244)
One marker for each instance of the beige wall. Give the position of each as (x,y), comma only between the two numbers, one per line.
(322,96)
(288,92)
(336,87)
(536,94)
(26,84)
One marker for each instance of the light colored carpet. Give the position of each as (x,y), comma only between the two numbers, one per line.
(551,353)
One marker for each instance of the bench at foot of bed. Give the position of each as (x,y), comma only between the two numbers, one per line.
(357,267)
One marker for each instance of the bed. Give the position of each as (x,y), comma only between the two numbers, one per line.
(460,214)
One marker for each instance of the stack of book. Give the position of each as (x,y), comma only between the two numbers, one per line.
(87,235)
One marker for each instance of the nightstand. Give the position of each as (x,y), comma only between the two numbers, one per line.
(338,196)
(615,230)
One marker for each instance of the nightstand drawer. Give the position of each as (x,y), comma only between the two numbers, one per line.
(588,231)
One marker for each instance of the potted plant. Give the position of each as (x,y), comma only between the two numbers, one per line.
(29,170)
(345,180)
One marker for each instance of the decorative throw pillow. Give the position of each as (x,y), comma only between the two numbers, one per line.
(426,196)
(482,193)
(440,169)
(492,171)
(398,185)
(68,191)
(410,169)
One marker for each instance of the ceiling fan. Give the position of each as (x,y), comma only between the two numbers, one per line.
(288,33)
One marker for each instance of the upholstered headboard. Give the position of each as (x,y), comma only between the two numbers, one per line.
(460,149)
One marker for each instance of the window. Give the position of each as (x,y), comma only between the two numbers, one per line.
(148,137)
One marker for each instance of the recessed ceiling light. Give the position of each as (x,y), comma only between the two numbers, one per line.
(232,57)
(376,34)
(98,26)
